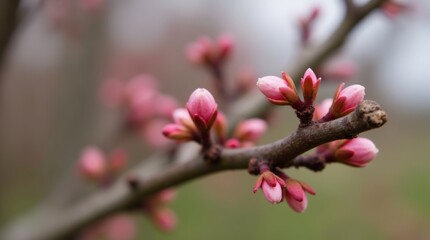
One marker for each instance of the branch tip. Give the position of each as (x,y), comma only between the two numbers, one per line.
(372,113)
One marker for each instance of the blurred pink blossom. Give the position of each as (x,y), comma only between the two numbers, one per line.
(342,70)
(118,160)
(305,24)
(232,143)
(92,163)
(165,219)
(152,133)
(250,130)
(204,51)
(116,227)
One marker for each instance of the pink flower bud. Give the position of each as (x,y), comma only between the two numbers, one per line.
(140,84)
(177,132)
(272,194)
(329,147)
(139,95)
(119,227)
(118,160)
(280,91)
(165,196)
(357,152)
(165,219)
(225,46)
(202,108)
(152,133)
(310,84)
(92,163)
(141,106)
(250,130)
(295,194)
(346,100)
(232,143)
(199,52)
(306,25)
(271,186)
(392,9)
(322,109)
(245,80)
(339,70)
(182,117)
(206,52)
(116,227)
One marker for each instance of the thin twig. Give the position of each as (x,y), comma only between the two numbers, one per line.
(252,105)
(8,23)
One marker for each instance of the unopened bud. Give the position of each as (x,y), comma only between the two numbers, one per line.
(92,163)
(280,91)
(202,108)
(310,84)
(356,152)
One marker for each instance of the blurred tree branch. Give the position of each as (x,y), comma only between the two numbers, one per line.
(64,223)
(59,223)
(8,22)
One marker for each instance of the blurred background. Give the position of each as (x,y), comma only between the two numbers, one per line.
(63,51)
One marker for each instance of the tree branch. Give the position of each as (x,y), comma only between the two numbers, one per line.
(253,105)
(8,22)
(65,223)
(59,224)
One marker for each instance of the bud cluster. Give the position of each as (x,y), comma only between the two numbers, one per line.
(195,124)
(136,97)
(393,8)
(196,121)
(205,51)
(99,167)
(156,208)
(306,23)
(277,187)
(246,134)
(123,226)
(282,91)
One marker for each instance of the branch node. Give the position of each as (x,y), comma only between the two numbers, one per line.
(212,155)
(253,167)
(132,182)
(305,116)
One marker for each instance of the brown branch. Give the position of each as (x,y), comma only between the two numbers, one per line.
(253,105)
(120,196)
(59,224)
